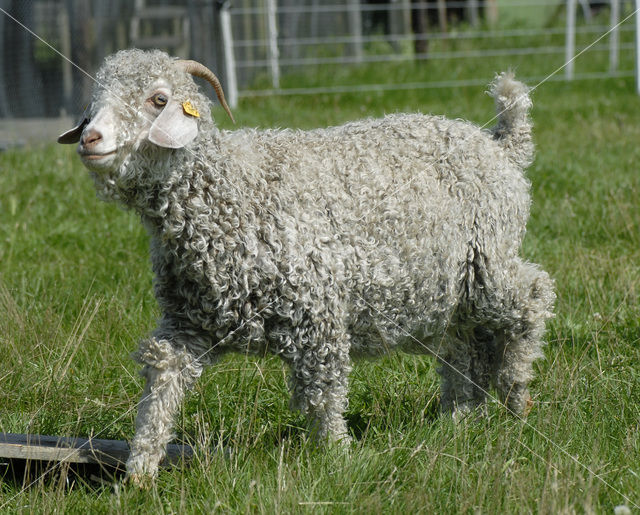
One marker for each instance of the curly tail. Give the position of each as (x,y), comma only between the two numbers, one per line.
(513,130)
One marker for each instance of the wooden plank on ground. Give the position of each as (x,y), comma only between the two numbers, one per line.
(113,453)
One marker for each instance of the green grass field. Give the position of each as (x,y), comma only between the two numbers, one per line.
(75,296)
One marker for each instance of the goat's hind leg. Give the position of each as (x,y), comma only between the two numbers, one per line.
(482,366)
(527,306)
(464,369)
(168,371)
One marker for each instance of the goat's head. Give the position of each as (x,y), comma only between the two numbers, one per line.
(142,99)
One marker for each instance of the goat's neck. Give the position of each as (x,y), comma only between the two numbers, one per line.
(197,196)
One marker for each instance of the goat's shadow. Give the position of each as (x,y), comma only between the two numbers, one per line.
(360,424)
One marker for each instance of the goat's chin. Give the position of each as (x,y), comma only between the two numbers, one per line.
(100,163)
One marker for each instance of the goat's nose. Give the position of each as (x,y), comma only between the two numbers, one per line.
(91,138)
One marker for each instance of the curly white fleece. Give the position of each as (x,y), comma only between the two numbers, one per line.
(402,232)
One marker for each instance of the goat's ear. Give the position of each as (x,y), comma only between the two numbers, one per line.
(173,128)
(73,135)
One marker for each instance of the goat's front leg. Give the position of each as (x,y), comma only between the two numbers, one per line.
(168,371)
(319,380)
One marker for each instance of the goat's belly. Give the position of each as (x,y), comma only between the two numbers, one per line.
(407,325)
(383,339)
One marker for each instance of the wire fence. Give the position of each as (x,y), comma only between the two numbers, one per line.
(282,47)
(305,51)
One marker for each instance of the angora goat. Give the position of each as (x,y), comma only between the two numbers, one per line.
(321,245)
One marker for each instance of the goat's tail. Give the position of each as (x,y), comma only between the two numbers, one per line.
(513,130)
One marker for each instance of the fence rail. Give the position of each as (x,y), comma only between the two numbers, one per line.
(479,34)
(434,55)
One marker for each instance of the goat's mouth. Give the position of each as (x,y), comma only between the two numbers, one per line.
(97,160)
(95,156)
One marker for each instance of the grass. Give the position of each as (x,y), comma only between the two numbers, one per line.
(75,296)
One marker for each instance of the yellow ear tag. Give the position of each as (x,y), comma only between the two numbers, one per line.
(189,109)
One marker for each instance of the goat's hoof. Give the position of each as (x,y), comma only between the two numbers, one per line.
(461,412)
(139,480)
(518,401)
(528,406)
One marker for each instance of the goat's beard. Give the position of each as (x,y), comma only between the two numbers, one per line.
(135,181)
(107,187)
(112,183)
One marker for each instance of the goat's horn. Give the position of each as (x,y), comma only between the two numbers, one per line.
(200,70)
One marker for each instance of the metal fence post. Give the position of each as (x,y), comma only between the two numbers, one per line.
(570,42)
(614,38)
(355,27)
(637,40)
(474,16)
(229,57)
(272,28)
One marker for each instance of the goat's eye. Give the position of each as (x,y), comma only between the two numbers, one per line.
(159,99)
